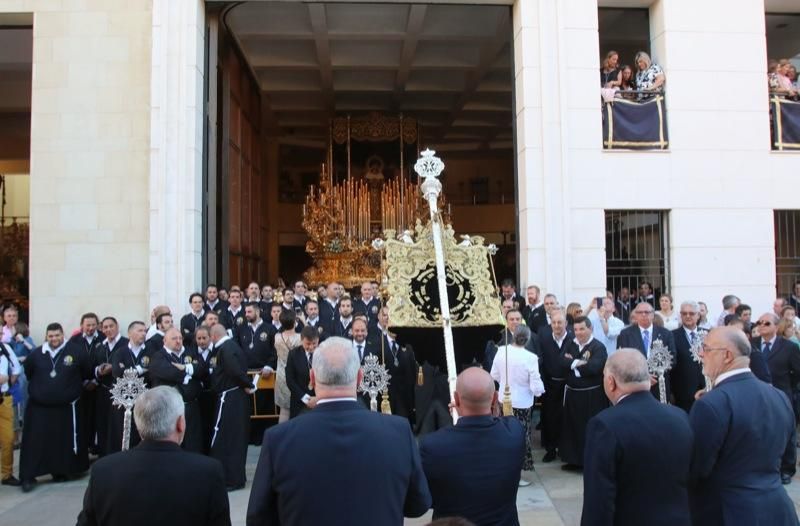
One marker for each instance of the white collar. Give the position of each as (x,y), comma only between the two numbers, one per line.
(771,342)
(301,299)
(649,329)
(89,337)
(200,314)
(346,321)
(222,340)
(312,321)
(362,344)
(332,302)
(214,304)
(136,350)
(230,309)
(366,301)
(47,349)
(581,347)
(111,344)
(728,374)
(337,399)
(559,341)
(257,325)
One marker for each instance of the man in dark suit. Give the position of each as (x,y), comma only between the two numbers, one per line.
(641,335)
(298,373)
(686,377)
(192,320)
(534,308)
(114,494)
(367,304)
(399,361)
(541,322)
(303,480)
(636,462)
(508,291)
(342,326)
(742,427)
(329,307)
(101,361)
(783,360)
(555,340)
(483,490)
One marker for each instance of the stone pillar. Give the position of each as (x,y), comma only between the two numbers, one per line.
(89,160)
(722,194)
(176,149)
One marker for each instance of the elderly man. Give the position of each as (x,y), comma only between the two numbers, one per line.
(641,335)
(637,456)
(554,344)
(483,490)
(314,469)
(743,426)
(729,304)
(173,477)
(686,376)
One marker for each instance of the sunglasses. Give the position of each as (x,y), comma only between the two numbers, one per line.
(688,313)
(764,323)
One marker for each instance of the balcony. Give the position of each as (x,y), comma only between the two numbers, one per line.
(635,120)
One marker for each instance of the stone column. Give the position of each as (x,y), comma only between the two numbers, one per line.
(176,149)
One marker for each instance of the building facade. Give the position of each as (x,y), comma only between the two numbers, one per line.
(120,128)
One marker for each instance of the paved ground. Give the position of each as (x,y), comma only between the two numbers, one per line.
(554,499)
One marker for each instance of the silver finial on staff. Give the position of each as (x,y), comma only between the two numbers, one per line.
(429,167)
(126,390)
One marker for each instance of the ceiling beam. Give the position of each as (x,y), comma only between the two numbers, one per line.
(489,53)
(416,20)
(319,26)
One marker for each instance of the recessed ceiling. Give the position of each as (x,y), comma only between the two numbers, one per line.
(447,65)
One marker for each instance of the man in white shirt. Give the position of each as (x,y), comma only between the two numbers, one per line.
(605,326)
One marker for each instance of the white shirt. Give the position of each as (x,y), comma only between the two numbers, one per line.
(615,326)
(111,343)
(650,338)
(574,366)
(523,372)
(46,349)
(151,331)
(732,372)
(337,399)
(671,322)
(8,367)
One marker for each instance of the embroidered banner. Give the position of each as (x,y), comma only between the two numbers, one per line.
(785,124)
(631,125)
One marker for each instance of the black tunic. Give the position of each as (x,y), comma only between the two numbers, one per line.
(207,398)
(583,398)
(53,439)
(102,354)
(89,395)
(163,372)
(123,359)
(231,416)
(554,372)
(189,323)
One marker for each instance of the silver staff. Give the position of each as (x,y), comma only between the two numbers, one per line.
(127,389)
(429,167)
(659,362)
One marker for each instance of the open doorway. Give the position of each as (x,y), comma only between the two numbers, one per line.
(288,70)
(16,57)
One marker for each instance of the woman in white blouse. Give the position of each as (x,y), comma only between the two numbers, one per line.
(667,313)
(522,369)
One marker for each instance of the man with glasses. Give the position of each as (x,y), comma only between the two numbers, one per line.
(783,360)
(641,335)
(741,426)
(687,375)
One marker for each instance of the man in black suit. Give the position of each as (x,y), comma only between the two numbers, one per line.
(233,318)
(313,319)
(367,304)
(638,451)
(299,296)
(508,291)
(742,426)
(213,303)
(115,496)
(89,339)
(642,333)
(783,360)
(312,469)
(534,308)
(400,362)
(102,360)
(686,377)
(192,320)
(554,343)
(541,322)
(329,307)
(484,489)
(342,326)
(233,387)
(583,360)
(298,373)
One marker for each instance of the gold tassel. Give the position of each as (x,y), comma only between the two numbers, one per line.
(507,409)
(420,376)
(386,408)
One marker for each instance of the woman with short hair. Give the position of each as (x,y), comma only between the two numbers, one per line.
(649,75)
(525,383)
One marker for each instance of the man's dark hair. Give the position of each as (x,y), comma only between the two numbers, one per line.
(731,318)
(309,333)
(89,316)
(582,319)
(508,282)
(133,324)
(195,294)
(161,317)
(109,318)
(513,310)
(741,308)
(211,286)
(55,327)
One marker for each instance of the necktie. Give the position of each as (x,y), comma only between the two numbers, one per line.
(360,352)
(693,337)
(310,358)
(767,349)
(646,341)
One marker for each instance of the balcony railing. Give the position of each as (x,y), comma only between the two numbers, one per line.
(635,120)
(784,123)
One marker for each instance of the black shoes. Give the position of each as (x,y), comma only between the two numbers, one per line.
(27,485)
(572,467)
(60,478)
(11,481)
(786,479)
(549,456)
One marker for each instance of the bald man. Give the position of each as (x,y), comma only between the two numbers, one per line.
(178,367)
(743,427)
(482,489)
(636,461)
